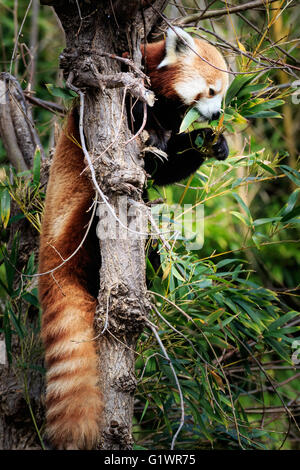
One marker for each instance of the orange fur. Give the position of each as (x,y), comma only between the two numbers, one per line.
(164,79)
(161,80)
(73,402)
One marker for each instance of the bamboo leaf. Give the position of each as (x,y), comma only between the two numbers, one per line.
(192,115)
(5,206)
(239,82)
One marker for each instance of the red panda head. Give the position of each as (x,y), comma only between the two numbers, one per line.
(178,72)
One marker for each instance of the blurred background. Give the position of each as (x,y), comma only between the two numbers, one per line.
(233,306)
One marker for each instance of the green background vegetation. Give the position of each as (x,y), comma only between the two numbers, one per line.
(228,313)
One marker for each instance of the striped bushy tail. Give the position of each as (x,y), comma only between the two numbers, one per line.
(68,285)
(73,402)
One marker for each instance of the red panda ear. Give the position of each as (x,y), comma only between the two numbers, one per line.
(178,42)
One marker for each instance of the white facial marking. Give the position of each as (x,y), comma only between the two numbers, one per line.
(188,90)
(218,85)
(209,106)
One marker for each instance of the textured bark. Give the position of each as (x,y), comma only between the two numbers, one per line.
(16,427)
(123,303)
(20,387)
(16,126)
(7,130)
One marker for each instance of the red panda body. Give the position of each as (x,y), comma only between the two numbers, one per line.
(68,294)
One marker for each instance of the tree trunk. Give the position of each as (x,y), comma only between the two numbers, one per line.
(93,34)
(21,387)
(90,32)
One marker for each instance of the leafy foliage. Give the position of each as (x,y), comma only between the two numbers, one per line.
(218,318)
(228,313)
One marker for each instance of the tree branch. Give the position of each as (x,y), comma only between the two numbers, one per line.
(7,131)
(49,105)
(85,68)
(24,129)
(217,13)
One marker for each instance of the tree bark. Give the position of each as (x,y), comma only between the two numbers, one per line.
(123,305)
(21,387)
(93,34)
(17,130)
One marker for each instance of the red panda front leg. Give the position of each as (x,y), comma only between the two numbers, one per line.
(184,158)
(73,401)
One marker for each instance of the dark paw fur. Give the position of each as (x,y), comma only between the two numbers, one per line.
(219,149)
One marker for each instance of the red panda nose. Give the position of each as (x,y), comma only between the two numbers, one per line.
(215,116)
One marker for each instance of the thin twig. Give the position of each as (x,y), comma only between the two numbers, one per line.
(51,271)
(217,13)
(128,62)
(268,39)
(142,126)
(17,38)
(182,419)
(178,332)
(263,69)
(49,105)
(290,415)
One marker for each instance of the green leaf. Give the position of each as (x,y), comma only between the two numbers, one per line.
(292,174)
(257,323)
(241,217)
(137,447)
(192,115)
(5,206)
(266,167)
(224,262)
(4,286)
(199,141)
(30,269)
(144,410)
(176,274)
(60,92)
(283,319)
(261,114)
(265,105)
(16,322)
(31,299)
(214,316)
(243,205)
(239,82)
(251,89)
(256,240)
(266,220)
(275,344)
(287,211)
(293,214)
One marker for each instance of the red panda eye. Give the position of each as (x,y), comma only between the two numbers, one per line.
(211,92)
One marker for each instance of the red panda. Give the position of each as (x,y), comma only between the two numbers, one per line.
(184,71)
(181,75)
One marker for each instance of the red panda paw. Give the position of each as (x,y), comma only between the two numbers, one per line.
(220,148)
